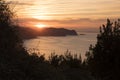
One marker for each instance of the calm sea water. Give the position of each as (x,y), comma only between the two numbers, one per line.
(76,44)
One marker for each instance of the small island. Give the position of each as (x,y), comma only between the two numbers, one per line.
(28,33)
(82,34)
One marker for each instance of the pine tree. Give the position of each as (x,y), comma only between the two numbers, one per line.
(103,59)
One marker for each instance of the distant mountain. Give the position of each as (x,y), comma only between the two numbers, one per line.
(27,33)
(57,32)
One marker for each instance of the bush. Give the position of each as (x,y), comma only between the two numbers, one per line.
(68,59)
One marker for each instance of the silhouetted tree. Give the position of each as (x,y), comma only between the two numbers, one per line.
(103,59)
(72,60)
(68,59)
(15,62)
(9,39)
(55,60)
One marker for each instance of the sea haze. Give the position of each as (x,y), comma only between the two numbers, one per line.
(75,44)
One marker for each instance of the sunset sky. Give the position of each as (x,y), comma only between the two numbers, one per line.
(66,13)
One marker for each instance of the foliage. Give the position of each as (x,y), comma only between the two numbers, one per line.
(17,64)
(8,34)
(103,59)
(70,65)
(6,15)
(68,59)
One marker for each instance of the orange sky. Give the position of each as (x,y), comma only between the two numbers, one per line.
(66,13)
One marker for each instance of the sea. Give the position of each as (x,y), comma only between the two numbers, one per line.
(44,45)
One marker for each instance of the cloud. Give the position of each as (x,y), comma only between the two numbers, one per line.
(24,3)
(80,22)
(19,3)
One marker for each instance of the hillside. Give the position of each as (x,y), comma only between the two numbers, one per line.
(27,33)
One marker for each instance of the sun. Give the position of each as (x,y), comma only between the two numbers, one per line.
(40,25)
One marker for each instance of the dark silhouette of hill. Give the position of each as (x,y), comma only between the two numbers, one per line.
(103,59)
(57,32)
(27,33)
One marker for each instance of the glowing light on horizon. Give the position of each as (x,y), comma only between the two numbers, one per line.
(40,25)
(66,13)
